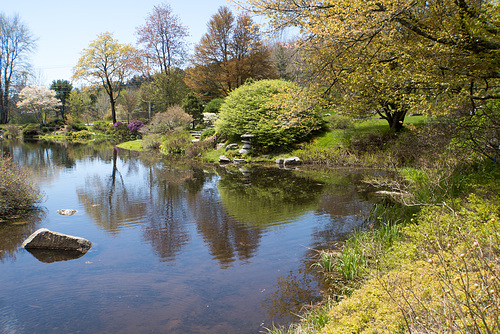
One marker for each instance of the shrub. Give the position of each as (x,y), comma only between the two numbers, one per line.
(272,110)
(207,133)
(101,126)
(75,124)
(209,118)
(32,130)
(17,193)
(151,142)
(13,131)
(120,129)
(83,134)
(213,106)
(176,143)
(339,122)
(134,126)
(168,121)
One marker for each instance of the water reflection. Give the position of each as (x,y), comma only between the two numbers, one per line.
(263,197)
(15,231)
(53,255)
(180,247)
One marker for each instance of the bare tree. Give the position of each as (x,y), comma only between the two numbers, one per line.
(16,43)
(163,37)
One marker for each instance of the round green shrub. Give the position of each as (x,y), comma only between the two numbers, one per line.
(274,111)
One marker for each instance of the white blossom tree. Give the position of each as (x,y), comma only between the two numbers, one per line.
(39,101)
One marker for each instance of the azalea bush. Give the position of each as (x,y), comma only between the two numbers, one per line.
(17,192)
(134,126)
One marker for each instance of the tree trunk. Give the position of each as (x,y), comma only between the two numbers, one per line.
(4,108)
(113,110)
(394,118)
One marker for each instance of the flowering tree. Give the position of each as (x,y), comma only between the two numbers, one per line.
(39,101)
(108,63)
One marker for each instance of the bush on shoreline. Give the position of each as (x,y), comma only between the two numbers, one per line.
(17,193)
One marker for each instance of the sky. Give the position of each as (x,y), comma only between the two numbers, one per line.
(65,28)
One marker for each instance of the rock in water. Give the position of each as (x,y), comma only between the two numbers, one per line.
(45,239)
(66,212)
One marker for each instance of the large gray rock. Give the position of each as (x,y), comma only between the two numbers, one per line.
(45,239)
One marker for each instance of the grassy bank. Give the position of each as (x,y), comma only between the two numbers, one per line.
(426,262)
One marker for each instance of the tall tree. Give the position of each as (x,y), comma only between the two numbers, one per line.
(63,89)
(39,101)
(108,63)
(16,43)
(229,53)
(163,37)
(397,55)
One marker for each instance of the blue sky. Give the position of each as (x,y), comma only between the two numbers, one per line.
(65,28)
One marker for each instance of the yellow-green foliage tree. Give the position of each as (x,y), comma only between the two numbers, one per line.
(108,63)
(394,56)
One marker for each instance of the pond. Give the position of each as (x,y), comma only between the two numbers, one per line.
(178,247)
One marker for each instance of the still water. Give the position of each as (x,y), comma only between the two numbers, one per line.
(177,247)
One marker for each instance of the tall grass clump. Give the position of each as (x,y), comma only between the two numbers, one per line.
(312,321)
(364,247)
(17,192)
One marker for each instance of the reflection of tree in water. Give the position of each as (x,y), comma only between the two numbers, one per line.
(15,231)
(264,197)
(167,213)
(107,200)
(225,238)
(343,207)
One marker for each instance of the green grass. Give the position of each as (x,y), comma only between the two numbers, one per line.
(134,145)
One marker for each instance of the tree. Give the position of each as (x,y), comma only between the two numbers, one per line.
(16,43)
(79,102)
(168,90)
(400,56)
(39,101)
(63,89)
(193,106)
(229,53)
(108,63)
(130,99)
(163,37)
